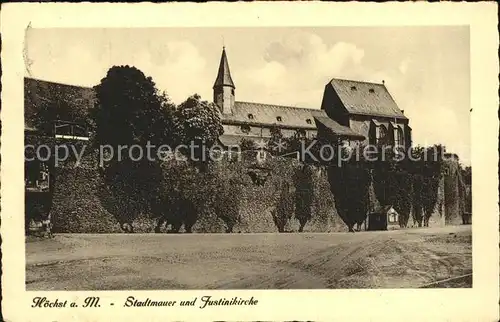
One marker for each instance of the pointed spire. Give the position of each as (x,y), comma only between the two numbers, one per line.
(224,75)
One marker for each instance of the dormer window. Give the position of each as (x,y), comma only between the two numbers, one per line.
(372,90)
(353,88)
(250,116)
(308,121)
(245,129)
(278,118)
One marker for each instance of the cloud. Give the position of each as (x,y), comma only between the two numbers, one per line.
(176,66)
(403,66)
(291,71)
(432,130)
(181,72)
(74,59)
(271,75)
(297,67)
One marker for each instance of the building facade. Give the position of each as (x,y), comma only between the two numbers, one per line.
(351,110)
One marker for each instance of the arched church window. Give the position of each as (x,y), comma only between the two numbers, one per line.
(398,137)
(278,118)
(308,121)
(250,116)
(381,134)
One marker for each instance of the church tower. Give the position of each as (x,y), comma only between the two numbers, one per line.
(224,86)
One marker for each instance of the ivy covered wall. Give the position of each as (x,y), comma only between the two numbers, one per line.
(275,195)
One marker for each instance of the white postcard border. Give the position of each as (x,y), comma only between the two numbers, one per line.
(478,303)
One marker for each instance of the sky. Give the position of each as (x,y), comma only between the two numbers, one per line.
(426,69)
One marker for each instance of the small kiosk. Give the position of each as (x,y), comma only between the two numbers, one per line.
(383,218)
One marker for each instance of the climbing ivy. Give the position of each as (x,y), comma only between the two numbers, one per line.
(304,194)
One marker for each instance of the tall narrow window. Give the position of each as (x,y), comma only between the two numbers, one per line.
(398,137)
(381,134)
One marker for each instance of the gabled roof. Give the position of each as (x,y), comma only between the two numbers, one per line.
(337,129)
(366,98)
(383,209)
(267,114)
(224,75)
(38,92)
(396,125)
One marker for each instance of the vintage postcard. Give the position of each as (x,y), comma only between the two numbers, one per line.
(250,161)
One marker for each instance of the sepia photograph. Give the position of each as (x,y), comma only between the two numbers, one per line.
(263,161)
(247,158)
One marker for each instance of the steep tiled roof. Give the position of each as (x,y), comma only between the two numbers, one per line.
(382,209)
(291,117)
(37,92)
(336,128)
(366,98)
(224,75)
(257,113)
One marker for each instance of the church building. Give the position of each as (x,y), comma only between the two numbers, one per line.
(351,111)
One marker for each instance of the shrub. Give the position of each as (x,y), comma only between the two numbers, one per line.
(349,185)
(304,194)
(284,209)
(246,144)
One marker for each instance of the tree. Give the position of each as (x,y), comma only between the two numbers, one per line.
(198,124)
(179,195)
(284,209)
(349,184)
(276,144)
(130,110)
(303,195)
(430,167)
(227,200)
(467,174)
(199,121)
(299,143)
(247,144)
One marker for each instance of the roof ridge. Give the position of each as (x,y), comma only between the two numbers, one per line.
(57,83)
(356,81)
(284,106)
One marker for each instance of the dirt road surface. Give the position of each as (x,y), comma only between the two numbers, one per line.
(392,259)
